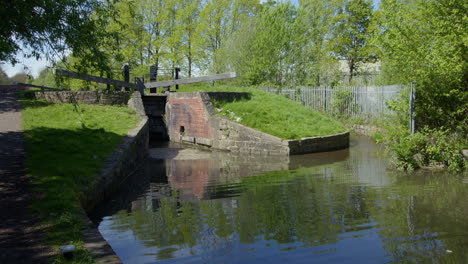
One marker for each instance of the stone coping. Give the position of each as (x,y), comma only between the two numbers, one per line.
(319,144)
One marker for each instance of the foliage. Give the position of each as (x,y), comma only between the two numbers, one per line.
(426,42)
(50,28)
(426,148)
(269,44)
(64,150)
(282,45)
(273,114)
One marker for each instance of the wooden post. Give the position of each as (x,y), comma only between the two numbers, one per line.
(177,70)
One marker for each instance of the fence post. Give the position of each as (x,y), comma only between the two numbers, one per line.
(411,107)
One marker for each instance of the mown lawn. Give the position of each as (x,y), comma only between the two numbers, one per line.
(66,145)
(273,114)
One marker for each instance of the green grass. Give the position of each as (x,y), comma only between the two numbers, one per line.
(66,145)
(273,114)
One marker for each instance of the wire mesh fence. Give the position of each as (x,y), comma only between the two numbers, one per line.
(365,102)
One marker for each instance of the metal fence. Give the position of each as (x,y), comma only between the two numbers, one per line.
(366,102)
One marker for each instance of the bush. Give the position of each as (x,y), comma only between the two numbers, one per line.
(426,148)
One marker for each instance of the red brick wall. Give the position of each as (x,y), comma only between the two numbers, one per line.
(190,114)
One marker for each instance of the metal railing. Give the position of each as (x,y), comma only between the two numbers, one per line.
(366,102)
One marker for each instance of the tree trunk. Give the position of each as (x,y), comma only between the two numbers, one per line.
(351,65)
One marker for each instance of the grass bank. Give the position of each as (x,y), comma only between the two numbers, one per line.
(272,114)
(66,145)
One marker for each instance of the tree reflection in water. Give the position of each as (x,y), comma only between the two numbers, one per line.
(341,206)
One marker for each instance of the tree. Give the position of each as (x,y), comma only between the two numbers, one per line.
(426,42)
(351,35)
(315,22)
(50,28)
(172,33)
(219,20)
(188,18)
(261,49)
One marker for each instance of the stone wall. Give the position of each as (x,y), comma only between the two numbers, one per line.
(84,97)
(190,118)
(235,137)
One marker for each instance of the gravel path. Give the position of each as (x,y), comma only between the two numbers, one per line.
(21,235)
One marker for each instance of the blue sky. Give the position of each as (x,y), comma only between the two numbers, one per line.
(33,66)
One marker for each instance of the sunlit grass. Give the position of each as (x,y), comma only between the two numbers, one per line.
(66,145)
(273,114)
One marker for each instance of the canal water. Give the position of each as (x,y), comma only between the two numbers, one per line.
(192,206)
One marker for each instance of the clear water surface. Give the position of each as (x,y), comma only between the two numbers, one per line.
(192,206)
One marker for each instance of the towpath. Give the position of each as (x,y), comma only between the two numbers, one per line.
(21,234)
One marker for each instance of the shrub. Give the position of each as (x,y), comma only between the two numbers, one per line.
(426,148)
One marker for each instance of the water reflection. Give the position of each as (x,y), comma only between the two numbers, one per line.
(342,207)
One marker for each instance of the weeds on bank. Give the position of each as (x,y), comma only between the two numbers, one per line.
(433,148)
(273,114)
(65,147)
